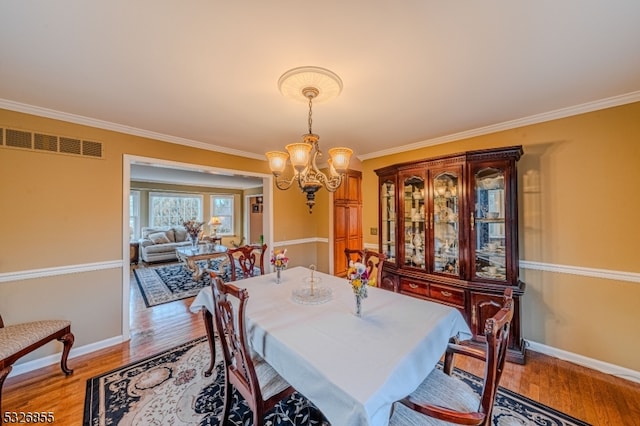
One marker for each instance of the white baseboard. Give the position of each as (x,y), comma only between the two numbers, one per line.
(594,364)
(28,366)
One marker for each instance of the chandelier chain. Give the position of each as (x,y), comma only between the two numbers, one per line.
(310,120)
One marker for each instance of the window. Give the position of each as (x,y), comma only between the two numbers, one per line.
(222,207)
(134,215)
(167,209)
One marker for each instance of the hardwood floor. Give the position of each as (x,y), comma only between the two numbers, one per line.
(591,396)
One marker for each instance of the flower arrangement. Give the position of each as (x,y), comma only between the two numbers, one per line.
(193,228)
(358,276)
(279,258)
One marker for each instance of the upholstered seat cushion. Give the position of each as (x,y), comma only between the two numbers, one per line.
(437,389)
(270,381)
(14,338)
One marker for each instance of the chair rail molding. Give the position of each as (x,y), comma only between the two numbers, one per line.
(60,270)
(609,274)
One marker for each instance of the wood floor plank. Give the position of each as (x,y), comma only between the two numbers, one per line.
(594,397)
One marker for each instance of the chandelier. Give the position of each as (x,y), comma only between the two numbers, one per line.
(309,84)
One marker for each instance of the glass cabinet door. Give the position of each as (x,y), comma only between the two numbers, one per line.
(388,219)
(445,217)
(414,221)
(488,224)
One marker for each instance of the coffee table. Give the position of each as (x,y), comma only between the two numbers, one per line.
(190,255)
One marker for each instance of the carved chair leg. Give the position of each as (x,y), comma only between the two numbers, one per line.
(208,325)
(227,402)
(67,340)
(3,375)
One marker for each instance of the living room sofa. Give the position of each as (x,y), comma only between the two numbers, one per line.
(159,244)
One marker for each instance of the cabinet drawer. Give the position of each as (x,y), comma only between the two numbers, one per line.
(450,295)
(414,288)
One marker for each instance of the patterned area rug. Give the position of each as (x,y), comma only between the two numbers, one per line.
(170,389)
(163,284)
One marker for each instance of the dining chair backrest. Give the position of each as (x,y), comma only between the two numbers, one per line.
(496,332)
(374,262)
(244,368)
(230,324)
(354,255)
(247,260)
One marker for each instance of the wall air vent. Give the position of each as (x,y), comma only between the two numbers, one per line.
(92,149)
(70,146)
(12,138)
(18,139)
(45,142)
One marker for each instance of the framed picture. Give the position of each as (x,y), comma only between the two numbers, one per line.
(256,208)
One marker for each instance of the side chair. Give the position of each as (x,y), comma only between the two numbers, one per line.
(250,260)
(353,255)
(17,340)
(259,384)
(444,398)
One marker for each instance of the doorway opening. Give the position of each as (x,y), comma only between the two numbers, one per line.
(207,173)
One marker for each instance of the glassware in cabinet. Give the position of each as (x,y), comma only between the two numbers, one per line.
(445,216)
(414,214)
(488,224)
(388,219)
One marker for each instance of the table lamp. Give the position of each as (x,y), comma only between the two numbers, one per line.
(214,223)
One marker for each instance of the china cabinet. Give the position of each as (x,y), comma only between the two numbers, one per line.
(449,228)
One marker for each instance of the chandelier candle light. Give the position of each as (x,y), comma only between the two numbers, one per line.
(309,84)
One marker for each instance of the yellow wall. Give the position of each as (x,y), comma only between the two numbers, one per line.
(579,198)
(61,210)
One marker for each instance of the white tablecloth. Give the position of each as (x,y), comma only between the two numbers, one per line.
(351,368)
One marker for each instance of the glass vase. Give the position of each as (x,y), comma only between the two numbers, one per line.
(278,275)
(194,242)
(358,306)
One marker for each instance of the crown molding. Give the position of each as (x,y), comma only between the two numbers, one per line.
(507,125)
(106,125)
(512,124)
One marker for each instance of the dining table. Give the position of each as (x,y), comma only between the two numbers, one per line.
(353,368)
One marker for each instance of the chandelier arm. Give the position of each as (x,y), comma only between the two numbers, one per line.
(284,184)
(316,153)
(331,184)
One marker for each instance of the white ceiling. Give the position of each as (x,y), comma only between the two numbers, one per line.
(205,73)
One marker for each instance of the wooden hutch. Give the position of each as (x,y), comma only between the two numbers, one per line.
(449,228)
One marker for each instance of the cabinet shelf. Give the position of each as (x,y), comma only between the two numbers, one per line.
(485,220)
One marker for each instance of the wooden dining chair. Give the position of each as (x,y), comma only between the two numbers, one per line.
(258,383)
(248,259)
(17,340)
(442,397)
(374,262)
(353,255)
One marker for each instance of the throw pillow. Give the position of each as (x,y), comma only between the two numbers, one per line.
(181,234)
(158,238)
